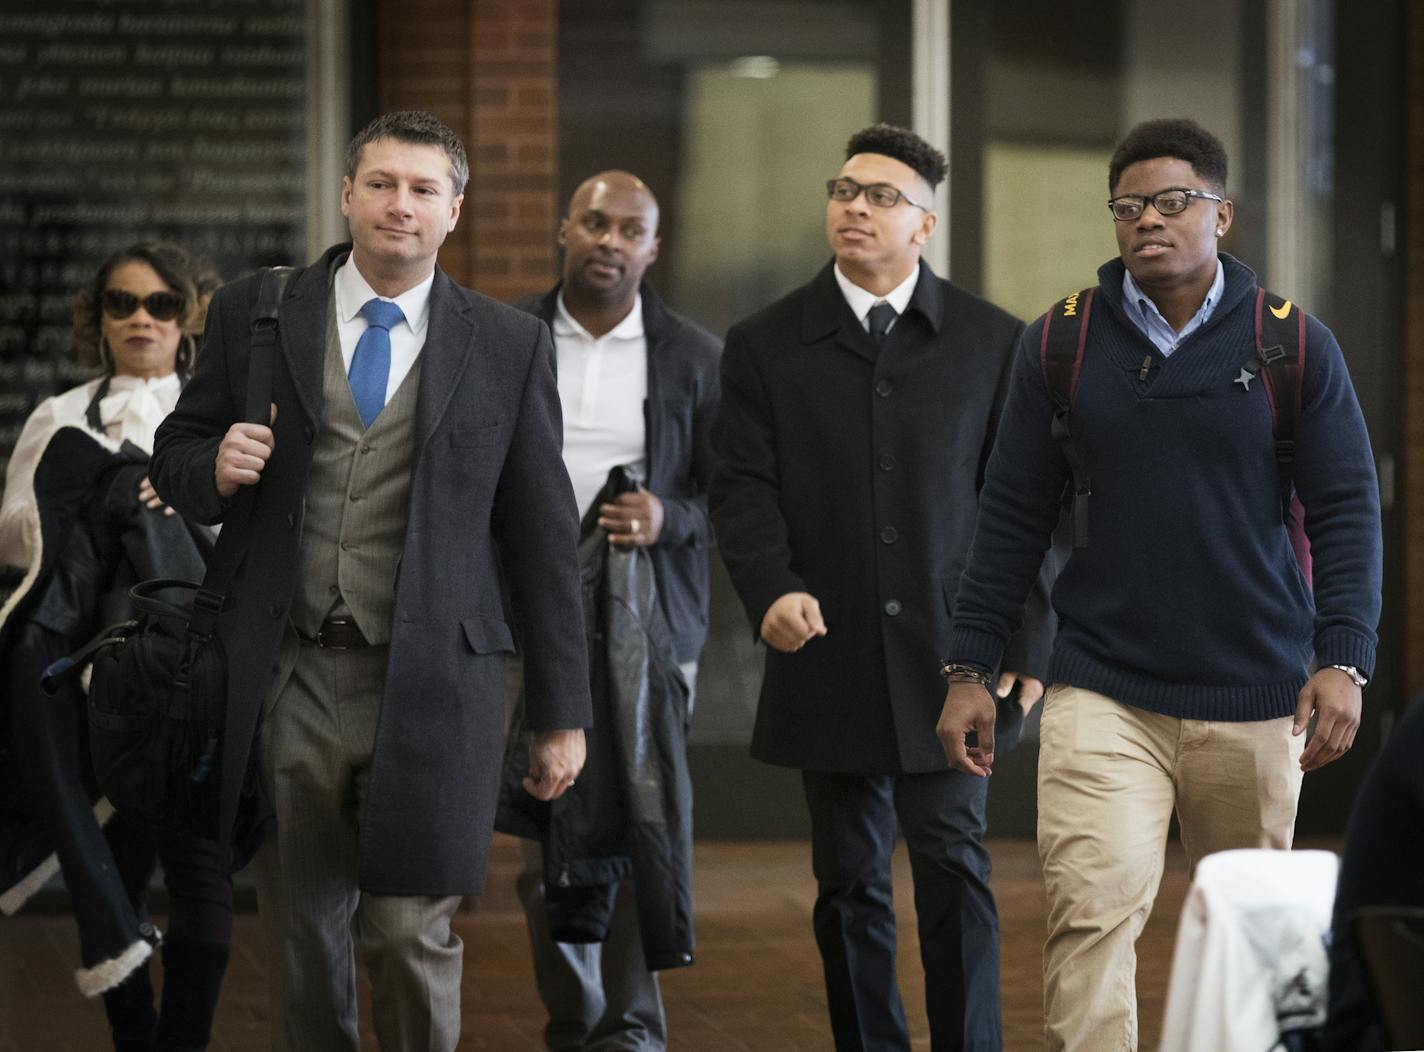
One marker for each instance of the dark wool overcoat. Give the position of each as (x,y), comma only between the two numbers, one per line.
(854,475)
(490,557)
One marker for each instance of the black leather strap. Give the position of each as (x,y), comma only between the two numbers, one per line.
(209,600)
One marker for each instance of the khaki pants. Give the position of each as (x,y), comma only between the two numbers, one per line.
(1109,777)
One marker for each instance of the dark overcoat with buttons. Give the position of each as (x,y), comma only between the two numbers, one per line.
(490,556)
(853,473)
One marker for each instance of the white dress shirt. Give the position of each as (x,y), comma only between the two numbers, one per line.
(407,338)
(603,384)
(861,301)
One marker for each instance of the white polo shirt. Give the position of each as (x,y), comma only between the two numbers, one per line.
(603,385)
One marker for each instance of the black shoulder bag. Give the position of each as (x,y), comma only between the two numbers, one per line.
(158,690)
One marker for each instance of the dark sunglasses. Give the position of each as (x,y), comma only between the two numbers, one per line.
(161,306)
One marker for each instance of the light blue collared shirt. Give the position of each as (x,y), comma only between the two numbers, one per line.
(1148,318)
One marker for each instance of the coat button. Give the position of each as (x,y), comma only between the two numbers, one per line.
(884,387)
(275,610)
(365,448)
(893,607)
(887,462)
(889,535)
(308,432)
(291,522)
(347,546)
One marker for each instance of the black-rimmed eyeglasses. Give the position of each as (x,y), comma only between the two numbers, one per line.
(881,195)
(1167,202)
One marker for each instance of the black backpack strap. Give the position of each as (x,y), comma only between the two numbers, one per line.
(209,599)
(1060,358)
(1280,359)
(264,344)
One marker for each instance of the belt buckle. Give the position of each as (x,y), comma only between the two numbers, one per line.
(321,635)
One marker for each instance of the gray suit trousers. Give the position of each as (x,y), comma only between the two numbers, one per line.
(314,756)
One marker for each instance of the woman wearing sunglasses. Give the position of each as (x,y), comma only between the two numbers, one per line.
(96,526)
(139,324)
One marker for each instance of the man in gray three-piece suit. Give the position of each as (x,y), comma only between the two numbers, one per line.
(412,502)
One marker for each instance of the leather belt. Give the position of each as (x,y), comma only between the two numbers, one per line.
(340,633)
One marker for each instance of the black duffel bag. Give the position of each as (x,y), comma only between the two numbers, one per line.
(158,690)
(157,699)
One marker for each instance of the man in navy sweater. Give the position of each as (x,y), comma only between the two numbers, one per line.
(1180,670)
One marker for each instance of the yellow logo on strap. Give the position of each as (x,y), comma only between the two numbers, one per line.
(1070,306)
(1281,311)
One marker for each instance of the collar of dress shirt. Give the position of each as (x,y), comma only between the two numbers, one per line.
(861,301)
(1147,317)
(630,328)
(353,290)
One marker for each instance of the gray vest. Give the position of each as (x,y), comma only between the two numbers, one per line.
(357,503)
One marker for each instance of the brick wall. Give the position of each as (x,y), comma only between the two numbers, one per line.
(1413,408)
(487,68)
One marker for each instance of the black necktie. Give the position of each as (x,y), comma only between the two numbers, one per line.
(880,317)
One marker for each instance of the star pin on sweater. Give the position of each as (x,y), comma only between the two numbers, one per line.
(1187,599)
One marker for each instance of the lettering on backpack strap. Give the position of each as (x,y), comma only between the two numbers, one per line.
(1060,357)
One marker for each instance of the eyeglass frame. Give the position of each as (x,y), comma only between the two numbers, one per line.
(864,188)
(133,302)
(1151,199)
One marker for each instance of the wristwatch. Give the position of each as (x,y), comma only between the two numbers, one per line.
(1354,674)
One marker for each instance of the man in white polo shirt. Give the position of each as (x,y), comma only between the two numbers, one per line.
(639,388)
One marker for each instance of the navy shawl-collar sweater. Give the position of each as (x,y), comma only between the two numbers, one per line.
(1187,599)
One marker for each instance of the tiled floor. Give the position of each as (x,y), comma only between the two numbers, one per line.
(756,985)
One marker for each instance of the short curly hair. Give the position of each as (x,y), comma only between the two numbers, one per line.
(1179,137)
(191,277)
(420,128)
(903,145)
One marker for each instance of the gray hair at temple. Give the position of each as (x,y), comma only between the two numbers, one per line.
(413,126)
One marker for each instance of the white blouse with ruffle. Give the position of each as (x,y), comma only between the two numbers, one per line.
(131,411)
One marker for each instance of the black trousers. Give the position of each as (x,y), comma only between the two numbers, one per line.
(853,834)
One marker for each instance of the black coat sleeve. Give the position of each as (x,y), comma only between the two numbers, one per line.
(745,495)
(185,448)
(535,524)
(685,519)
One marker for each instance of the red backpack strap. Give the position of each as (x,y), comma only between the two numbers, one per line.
(1060,359)
(1280,357)
(1280,362)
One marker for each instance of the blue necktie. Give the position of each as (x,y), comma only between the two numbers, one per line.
(371,364)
